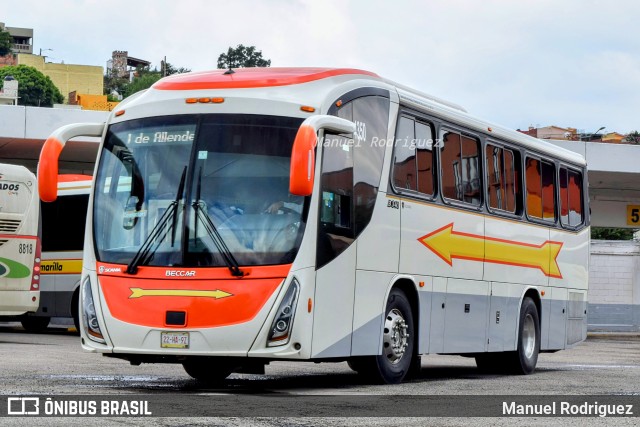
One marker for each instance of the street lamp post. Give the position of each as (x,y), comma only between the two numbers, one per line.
(594,134)
(584,137)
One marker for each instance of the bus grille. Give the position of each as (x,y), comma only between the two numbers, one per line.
(9,225)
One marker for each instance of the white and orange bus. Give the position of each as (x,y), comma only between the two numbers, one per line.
(245,216)
(19,242)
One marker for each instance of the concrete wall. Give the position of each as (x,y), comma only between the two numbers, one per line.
(614,286)
(38,123)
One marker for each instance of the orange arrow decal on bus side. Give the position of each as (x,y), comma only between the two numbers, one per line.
(138,293)
(448,244)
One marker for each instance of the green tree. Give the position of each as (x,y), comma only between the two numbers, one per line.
(601,233)
(34,88)
(633,137)
(144,78)
(145,81)
(170,69)
(242,56)
(6,42)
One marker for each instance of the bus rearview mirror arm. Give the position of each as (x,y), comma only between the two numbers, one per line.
(50,154)
(303,152)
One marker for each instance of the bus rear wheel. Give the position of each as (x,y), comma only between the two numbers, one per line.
(35,323)
(398,338)
(207,371)
(523,361)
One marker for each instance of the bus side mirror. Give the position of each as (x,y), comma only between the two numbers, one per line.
(303,157)
(50,153)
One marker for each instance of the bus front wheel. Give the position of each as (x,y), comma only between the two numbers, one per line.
(398,340)
(35,323)
(208,371)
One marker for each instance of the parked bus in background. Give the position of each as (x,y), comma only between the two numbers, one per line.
(19,241)
(63,226)
(245,216)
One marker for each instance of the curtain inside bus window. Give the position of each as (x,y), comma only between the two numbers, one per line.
(548,191)
(470,170)
(494,176)
(404,167)
(425,158)
(450,156)
(576,215)
(509,181)
(564,197)
(534,189)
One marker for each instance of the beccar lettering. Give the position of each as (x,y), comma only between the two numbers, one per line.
(180,273)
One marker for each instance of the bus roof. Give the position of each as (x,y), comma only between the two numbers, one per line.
(242,78)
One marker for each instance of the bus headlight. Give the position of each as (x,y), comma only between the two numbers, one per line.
(91,325)
(283,322)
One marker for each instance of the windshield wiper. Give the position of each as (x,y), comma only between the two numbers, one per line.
(213,232)
(161,228)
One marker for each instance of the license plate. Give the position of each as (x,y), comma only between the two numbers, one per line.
(174,339)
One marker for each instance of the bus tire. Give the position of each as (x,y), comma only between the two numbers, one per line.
(75,309)
(398,338)
(35,323)
(523,361)
(206,370)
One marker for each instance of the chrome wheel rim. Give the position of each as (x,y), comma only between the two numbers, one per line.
(395,337)
(528,336)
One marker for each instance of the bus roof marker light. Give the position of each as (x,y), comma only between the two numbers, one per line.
(307,109)
(339,103)
(119,113)
(191,100)
(217,100)
(204,100)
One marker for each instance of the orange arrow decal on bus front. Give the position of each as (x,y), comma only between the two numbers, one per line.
(449,244)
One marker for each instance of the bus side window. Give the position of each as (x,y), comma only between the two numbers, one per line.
(540,177)
(501,178)
(576,212)
(460,168)
(404,165)
(425,159)
(534,189)
(571,212)
(548,191)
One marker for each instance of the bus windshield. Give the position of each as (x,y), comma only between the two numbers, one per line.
(177,186)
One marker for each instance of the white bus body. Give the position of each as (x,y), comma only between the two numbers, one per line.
(19,241)
(62,243)
(411,228)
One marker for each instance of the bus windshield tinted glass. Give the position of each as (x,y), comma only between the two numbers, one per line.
(237,180)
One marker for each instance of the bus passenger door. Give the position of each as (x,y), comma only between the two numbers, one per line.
(336,252)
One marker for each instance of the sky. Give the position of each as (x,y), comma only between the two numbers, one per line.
(517,63)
